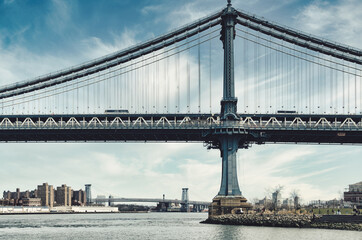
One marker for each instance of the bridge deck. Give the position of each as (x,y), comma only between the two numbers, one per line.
(257,128)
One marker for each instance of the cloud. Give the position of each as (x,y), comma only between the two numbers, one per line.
(16,57)
(339,21)
(59,16)
(94,47)
(304,168)
(151,9)
(8,2)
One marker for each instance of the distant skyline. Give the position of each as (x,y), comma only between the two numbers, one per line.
(37,37)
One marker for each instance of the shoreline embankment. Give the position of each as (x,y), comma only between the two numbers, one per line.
(339,222)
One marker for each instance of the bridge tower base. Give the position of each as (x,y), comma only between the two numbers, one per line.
(228,205)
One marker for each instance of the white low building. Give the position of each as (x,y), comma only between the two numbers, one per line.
(20,209)
(91,209)
(61,209)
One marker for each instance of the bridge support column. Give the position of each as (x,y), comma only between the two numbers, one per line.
(229,198)
(229,180)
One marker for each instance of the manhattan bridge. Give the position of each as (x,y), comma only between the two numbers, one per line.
(276,85)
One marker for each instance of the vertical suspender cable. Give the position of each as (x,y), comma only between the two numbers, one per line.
(255,83)
(310,87)
(343,89)
(157,85)
(188,78)
(77,97)
(348,94)
(360,91)
(331,84)
(282,77)
(337,88)
(199,69)
(355,89)
(319,92)
(165,84)
(87,102)
(325,89)
(167,87)
(266,81)
(295,82)
(178,81)
(257,102)
(270,76)
(210,73)
(147,85)
(246,80)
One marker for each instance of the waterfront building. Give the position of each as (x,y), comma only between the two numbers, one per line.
(277,199)
(12,195)
(16,198)
(7,195)
(63,195)
(88,192)
(296,202)
(4,202)
(79,198)
(46,194)
(288,203)
(354,194)
(264,203)
(357,187)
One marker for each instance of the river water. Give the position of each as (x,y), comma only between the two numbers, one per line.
(148,226)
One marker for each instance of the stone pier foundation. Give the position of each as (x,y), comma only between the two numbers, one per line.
(228,205)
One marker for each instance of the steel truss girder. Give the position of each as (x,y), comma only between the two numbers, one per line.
(180,121)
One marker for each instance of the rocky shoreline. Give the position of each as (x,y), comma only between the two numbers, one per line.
(275,220)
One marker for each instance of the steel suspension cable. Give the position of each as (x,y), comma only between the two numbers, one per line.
(128,71)
(302,58)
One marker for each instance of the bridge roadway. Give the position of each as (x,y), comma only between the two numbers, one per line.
(251,128)
(144,200)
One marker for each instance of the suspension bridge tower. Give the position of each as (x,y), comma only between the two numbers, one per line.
(229,197)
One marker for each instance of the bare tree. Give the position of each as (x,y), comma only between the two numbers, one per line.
(268,192)
(255,201)
(294,193)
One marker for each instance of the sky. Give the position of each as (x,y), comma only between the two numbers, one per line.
(38,37)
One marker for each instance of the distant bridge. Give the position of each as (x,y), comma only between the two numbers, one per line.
(162,203)
(148,200)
